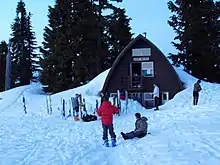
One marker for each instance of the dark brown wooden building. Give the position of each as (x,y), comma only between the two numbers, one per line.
(137,68)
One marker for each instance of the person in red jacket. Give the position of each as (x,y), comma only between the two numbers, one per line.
(106,111)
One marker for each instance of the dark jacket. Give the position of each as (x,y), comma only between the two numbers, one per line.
(197,87)
(106,111)
(141,125)
(76,101)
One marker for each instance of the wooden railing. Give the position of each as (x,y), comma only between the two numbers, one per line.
(135,82)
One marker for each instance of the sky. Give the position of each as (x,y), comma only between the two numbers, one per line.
(148,16)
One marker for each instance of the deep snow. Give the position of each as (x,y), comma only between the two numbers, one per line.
(181,134)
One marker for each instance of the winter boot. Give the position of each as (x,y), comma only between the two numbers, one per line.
(156,109)
(113,142)
(106,144)
(124,136)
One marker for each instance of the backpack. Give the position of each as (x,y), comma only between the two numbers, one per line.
(88,118)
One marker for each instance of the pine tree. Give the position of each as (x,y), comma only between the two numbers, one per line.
(3,54)
(69,45)
(53,62)
(110,39)
(194,23)
(85,67)
(15,52)
(119,33)
(33,57)
(23,48)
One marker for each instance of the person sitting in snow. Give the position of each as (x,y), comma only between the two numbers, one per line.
(141,127)
(106,111)
(196,90)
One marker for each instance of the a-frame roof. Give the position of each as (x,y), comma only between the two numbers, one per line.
(127,48)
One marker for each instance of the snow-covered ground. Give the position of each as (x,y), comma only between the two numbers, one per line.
(181,134)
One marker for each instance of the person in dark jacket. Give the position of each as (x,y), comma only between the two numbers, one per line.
(76,105)
(196,90)
(141,127)
(102,94)
(106,112)
(122,94)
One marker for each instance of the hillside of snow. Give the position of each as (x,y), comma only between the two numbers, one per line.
(181,134)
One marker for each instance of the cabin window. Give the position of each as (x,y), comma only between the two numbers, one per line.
(148,96)
(141,52)
(147,69)
(165,97)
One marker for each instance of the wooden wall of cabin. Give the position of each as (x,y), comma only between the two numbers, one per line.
(119,79)
(164,74)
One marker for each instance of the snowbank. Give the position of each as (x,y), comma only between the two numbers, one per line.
(180,133)
(11,96)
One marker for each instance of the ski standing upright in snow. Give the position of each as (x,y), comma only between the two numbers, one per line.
(73,106)
(118,101)
(84,107)
(47,104)
(96,107)
(126,99)
(63,108)
(50,103)
(114,99)
(69,115)
(80,105)
(24,102)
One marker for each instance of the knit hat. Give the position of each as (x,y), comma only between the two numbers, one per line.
(138,115)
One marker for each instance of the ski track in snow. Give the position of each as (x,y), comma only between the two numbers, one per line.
(180,134)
